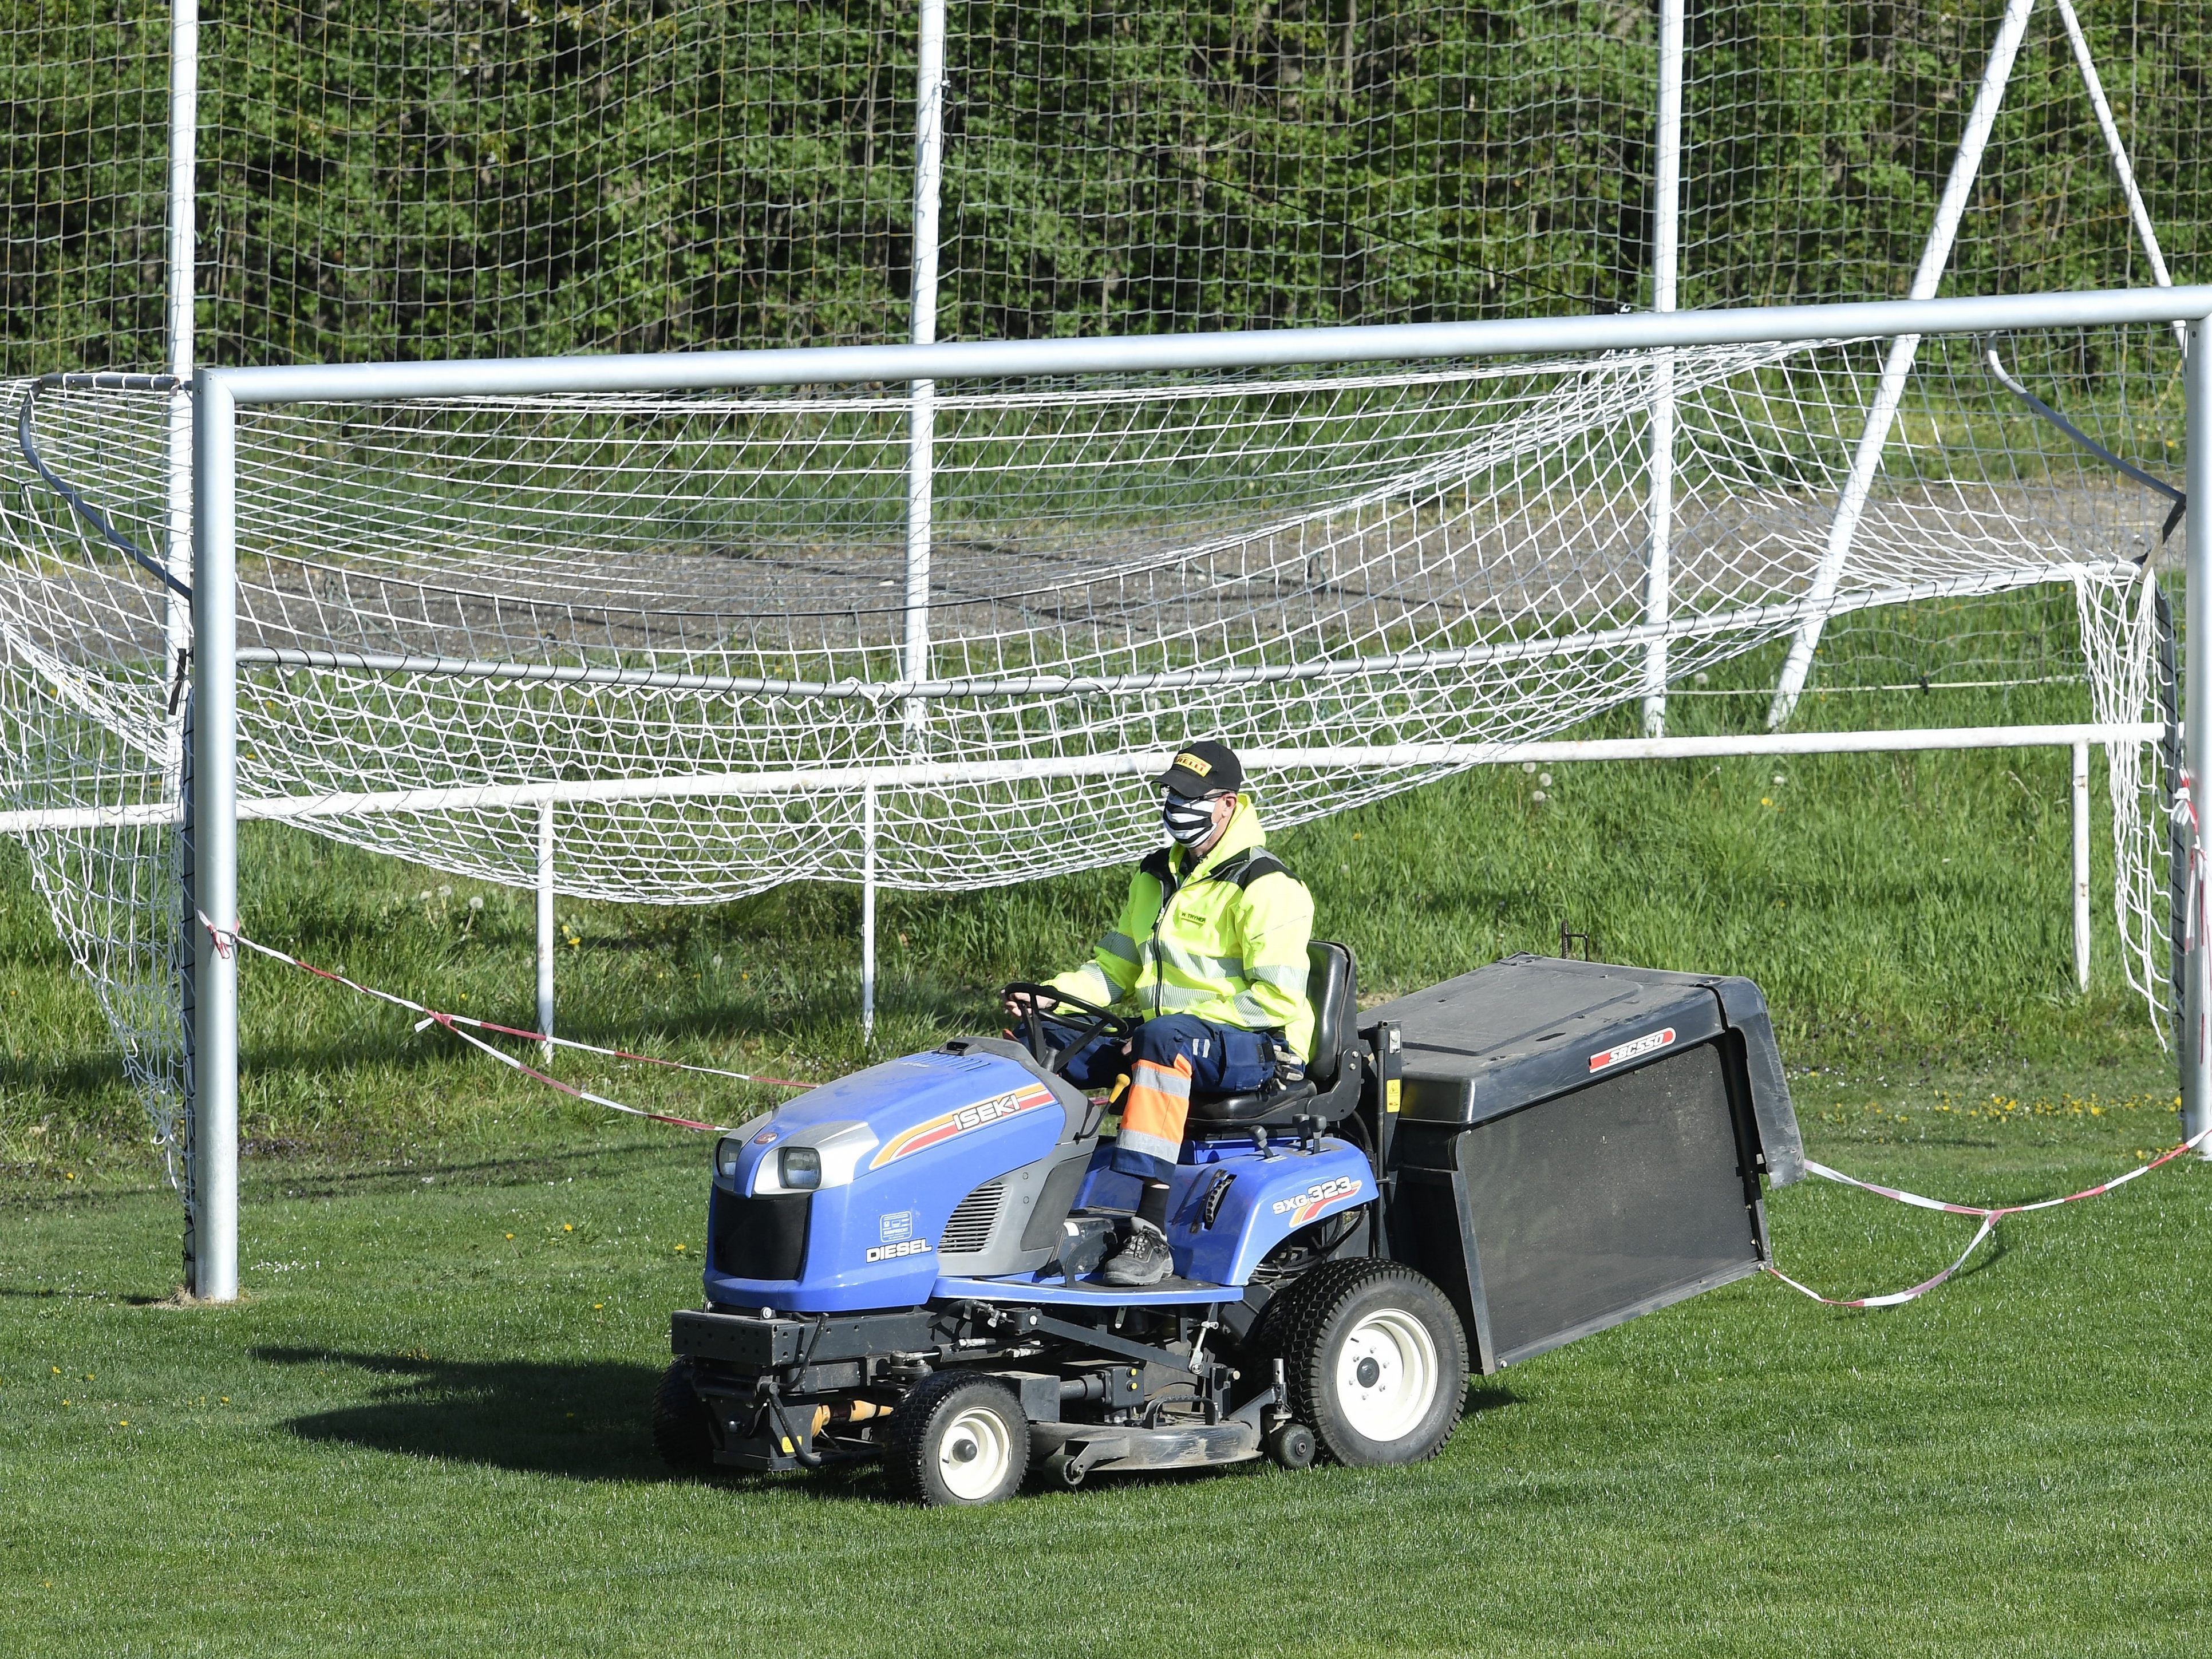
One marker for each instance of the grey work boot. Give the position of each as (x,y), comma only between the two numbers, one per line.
(1144,1259)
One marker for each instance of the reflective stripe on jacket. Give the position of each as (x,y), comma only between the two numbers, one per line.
(1230,953)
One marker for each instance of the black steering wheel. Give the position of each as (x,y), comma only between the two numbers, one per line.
(1103,1022)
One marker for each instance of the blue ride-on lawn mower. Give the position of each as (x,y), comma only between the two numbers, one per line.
(901,1264)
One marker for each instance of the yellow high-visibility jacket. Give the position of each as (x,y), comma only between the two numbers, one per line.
(1226,941)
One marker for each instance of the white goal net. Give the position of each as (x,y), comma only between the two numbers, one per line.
(477,595)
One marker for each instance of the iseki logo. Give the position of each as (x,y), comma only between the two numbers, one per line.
(943,1127)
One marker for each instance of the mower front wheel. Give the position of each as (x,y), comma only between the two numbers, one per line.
(957,1439)
(681,1432)
(1291,1445)
(1376,1361)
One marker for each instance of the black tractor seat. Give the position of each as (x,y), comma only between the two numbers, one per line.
(1330,1089)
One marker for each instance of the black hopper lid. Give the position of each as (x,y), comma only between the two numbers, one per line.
(1531,1028)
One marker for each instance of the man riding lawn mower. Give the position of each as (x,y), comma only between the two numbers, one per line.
(1211,945)
(1323,1225)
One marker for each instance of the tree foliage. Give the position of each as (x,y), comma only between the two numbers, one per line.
(463,178)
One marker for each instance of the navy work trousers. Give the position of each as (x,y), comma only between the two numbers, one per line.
(1169,1056)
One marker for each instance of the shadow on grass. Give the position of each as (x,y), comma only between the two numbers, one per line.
(582,1421)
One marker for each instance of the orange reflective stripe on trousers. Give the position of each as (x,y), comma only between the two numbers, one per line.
(1155,1107)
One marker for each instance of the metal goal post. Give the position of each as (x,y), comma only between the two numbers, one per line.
(214,810)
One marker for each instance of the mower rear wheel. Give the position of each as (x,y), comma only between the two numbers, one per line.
(1374,1360)
(957,1439)
(681,1431)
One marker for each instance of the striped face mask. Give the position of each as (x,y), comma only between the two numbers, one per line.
(1188,822)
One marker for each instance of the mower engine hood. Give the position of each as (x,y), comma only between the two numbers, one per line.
(895,1148)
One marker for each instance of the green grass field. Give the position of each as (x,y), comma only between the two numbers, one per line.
(422,1430)
(422,1433)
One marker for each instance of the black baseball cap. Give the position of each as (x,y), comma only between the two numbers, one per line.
(1203,769)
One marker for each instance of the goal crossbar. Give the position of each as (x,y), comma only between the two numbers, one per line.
(1243,349)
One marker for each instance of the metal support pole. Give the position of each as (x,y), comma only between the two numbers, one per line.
(213,1106)
(1897,367)
(177,630)
(545,928)
(184,150)
(868,913)
(2121,170)
(2082,865)
(1666,213)
(2196,721)
(929,171)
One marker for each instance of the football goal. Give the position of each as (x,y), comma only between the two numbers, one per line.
(1388,392)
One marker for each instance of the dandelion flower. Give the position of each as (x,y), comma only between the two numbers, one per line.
(568,1226)
(679,1250)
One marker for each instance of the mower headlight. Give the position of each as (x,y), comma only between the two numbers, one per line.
(726,1156)
(799,1168)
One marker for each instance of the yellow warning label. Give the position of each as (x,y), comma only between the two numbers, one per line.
(1390,1095)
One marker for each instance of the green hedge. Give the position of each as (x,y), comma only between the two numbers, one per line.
(382,179)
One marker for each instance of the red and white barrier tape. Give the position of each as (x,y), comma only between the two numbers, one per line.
(226,941)
(1990,1214)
